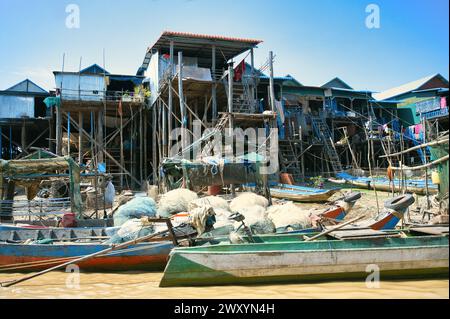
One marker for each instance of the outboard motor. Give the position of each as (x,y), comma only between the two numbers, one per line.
(238,217)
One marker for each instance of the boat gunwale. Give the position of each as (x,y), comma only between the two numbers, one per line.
(204,249)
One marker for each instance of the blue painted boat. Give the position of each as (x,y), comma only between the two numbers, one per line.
(35,257)
(299,193)
(383,184)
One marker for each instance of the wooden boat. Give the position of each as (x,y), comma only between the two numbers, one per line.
(285,258)
(298,193)
(38,249)
(34,257)
(382,184)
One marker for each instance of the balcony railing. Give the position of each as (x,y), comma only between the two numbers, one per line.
(100,96)
(435,114)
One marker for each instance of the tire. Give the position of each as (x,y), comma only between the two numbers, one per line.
(399,202)
(352,197)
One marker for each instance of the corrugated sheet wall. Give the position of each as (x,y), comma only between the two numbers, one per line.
(13,107)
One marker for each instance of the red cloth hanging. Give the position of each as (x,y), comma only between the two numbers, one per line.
(239,72)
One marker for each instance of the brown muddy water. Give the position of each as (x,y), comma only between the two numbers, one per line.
(145,285)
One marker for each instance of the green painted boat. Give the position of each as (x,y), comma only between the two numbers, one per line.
(288,258)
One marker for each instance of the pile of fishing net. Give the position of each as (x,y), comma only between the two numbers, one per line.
(247,200)
(175,201)
(253,207)
(289,217)
(136,208)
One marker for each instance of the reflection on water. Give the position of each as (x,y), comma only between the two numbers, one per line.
(145,285)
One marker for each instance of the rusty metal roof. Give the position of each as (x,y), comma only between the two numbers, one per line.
(200,46)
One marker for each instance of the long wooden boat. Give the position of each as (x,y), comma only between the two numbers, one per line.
(34,257)
(297,260)
(31,249)
(298,193)
(382,184)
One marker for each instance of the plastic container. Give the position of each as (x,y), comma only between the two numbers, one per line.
(286,178)
(435,178)
(214,190)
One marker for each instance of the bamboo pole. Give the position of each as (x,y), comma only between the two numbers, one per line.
(122,156)
(80,140)
(170,108)
(438,161)
(328,231)
(439,142)
(145,144)
(214,86)
(182,103)
(427,191)
(370,168)
(154,146)
(141,144)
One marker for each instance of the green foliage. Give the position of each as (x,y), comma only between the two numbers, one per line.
(142,91)
(317,181)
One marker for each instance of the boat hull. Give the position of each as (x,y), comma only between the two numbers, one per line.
(145,256)
(384,185)
(301,194)
(306,261)
(303,198)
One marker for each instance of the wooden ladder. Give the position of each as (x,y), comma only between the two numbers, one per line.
(322,131)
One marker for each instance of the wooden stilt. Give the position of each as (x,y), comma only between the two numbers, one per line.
(24,136)
(141,145)
(122,156)
(80,139)
(154,146)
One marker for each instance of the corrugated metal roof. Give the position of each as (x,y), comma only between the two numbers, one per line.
(209,37)
(27,86)
(341,84)
(405,88)
(196,45)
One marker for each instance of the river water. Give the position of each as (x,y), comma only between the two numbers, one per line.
(145,285)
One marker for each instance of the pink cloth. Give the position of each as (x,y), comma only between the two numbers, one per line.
(418,129)
(443,102)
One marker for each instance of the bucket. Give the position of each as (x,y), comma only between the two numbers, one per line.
(286,178)
(214,190)
(69,220)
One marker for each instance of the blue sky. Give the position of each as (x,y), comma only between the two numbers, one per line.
(313,40)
